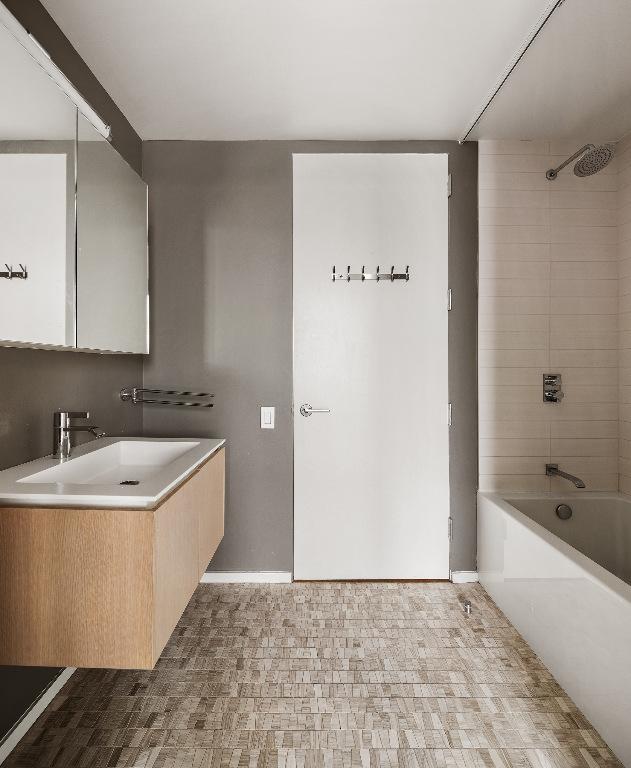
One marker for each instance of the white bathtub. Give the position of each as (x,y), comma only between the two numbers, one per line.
(566,586)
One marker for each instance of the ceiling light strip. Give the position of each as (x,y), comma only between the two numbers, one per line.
(534,32)
(41,56)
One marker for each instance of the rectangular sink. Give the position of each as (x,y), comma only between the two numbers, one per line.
(112,472)
(123,462)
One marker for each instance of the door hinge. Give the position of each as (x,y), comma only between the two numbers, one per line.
(449,414)
(449,304)
(450,529)
(448,185)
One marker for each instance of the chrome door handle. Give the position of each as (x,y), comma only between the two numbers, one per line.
(307,410)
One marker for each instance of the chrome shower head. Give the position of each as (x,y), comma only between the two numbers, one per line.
(594,160)
(591,160)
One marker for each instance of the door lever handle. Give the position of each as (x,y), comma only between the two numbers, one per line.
(307,410)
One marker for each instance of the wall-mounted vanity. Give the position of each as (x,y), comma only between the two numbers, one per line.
(100,554)
(73,218)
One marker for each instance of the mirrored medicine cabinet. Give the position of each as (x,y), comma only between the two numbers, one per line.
(73,221)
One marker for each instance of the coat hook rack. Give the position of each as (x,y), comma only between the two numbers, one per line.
(12,274)
(378,275)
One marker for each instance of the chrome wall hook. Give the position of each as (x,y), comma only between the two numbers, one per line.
(12,274)
(377,275)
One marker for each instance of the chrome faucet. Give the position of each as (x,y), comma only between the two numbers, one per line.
(62,431)
(552,470)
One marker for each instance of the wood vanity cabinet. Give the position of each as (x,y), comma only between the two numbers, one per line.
(105,587)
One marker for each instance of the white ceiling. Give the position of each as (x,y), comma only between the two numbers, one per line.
(574,82)
(298,69)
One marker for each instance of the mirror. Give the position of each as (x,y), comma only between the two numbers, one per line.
(37,210)
(73,219)
(112,268)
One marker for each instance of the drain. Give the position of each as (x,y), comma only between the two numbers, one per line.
(129,482)
(466,607)
(564,511)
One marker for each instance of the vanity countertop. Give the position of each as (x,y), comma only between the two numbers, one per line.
(121,472)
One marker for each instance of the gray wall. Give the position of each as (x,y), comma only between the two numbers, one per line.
(221,249)
(33,383)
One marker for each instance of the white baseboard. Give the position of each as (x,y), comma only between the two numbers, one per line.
(12,739)
(246,577)
(464,577)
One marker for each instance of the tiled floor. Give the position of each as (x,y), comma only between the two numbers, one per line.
(334,674)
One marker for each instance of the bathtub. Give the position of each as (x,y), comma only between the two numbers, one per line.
(566,586)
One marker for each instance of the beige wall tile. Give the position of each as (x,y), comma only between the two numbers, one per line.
(521,446)
(584,429)
(513,394)
(584,339)
(531,270)
(494,412)
(522,234)
(539,323)
(514,216)
(501,163)
(572,358)
(602,182)
(583,323)
(515,483)
(584,217)
(584,305)
(603,393)
(517,198)
(517,340)
(495,429)
(584,446)
(583,412)
(516,287)
(512,180)
(525,377)
(584,270)
(515,305)
(513,147)
(586,199)
(587,288)
(512,358)
(583,252)
(520,252)
(582,235)
(512,465)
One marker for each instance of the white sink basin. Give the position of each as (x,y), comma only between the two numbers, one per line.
(112,472)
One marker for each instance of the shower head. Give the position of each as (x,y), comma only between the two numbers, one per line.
(591,160)
(594,160)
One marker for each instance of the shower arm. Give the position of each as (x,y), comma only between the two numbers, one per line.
(554,172)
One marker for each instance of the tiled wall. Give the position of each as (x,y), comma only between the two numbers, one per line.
(623,161)
(548,303)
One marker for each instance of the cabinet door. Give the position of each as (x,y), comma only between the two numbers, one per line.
(37,203)
(112,267)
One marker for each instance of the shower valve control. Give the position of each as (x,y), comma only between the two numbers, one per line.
(552,388)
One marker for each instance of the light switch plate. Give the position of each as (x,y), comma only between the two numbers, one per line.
(268,415)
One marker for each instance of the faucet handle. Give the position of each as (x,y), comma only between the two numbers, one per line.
(75,414)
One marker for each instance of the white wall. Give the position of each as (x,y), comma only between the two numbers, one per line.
(549,304)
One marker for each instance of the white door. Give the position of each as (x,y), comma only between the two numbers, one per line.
(371,477)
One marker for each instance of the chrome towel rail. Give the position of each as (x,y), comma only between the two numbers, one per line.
(135,395)
(390,276)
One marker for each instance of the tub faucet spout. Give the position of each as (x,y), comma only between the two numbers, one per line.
(553,470)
